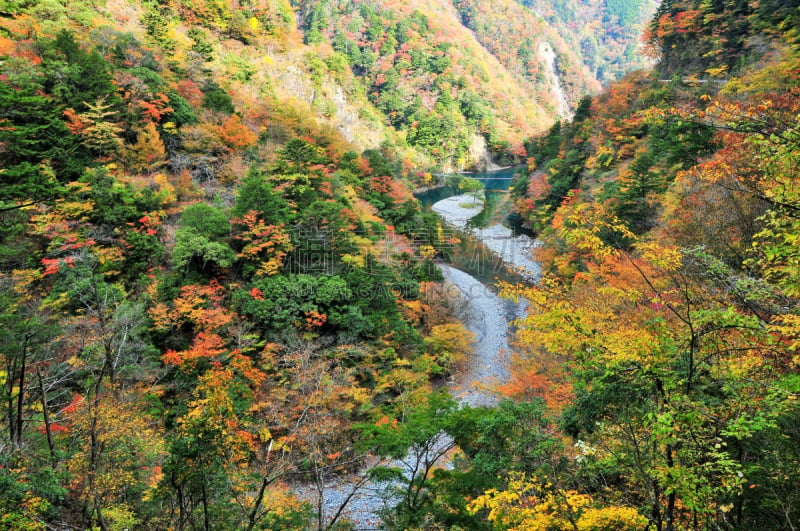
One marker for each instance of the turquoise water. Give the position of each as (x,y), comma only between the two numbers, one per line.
(493,182)
(497,207)
(470,255)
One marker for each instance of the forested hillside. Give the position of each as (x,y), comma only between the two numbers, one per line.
(217,291)
(212,267)
(607,33)
(456,76)
(664,335)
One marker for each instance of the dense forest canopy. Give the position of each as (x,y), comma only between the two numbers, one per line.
(216,284)
(665,331)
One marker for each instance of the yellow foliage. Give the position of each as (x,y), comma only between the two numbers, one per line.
(667,258)
(450,342)
(131,449)
(529,505)
(148,153)
(166,191)
(23,280)
(788,326)
(427,251)
(76,210)
(353,259)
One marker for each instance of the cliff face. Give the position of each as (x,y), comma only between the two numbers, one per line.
(421,78)
(440,72)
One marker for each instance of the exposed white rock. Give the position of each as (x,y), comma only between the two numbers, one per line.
(480,155)
(548,57)
(458,210)
(514,250)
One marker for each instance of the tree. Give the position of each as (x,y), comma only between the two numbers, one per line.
(33,138)
(264,246)
(201,241)
(449,344)
(148,154)
(118,461)
(257,194)
(313,418)
(299,156)
(529,504)
(28,336)
(645,326)
(416,442)
(74,75)
(205,479)
(99,134)
(637,190)
(470,185)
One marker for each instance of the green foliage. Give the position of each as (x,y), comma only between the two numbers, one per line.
(156,23)
(299,155)
(206,220)
(200,242)
(201,44)
(199,252)
(215,98)
(512,437)
(28,499)
(74,75)
(29,122)
(115,203)
(302,301)
(182,112)
(258,195)
(470,186)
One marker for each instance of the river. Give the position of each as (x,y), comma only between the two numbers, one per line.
(489,251)
(492,239)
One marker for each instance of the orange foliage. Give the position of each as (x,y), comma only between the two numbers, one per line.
(75,123)
(265,245)
(204,346)
(235,134)
(189,91)
(155,109)
(201,306)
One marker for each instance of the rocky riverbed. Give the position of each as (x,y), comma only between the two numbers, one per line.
(486,315)
(514,249)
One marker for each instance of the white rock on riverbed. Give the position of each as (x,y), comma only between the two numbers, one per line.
(455,212)
(487,317)
(514,250)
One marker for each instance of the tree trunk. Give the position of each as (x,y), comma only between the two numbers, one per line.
(670,512)
(251,523)
(206,522)
(21,393)
(46,413)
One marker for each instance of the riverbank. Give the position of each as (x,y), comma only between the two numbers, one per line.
(458,210)
(515,250)
(488,317)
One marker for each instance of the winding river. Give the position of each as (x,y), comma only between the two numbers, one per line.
(488,251)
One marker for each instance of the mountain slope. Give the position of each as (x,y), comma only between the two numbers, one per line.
(444,72)
(608,34)
(669,215)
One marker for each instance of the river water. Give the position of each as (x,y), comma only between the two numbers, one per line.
(475,265)
(493,239)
